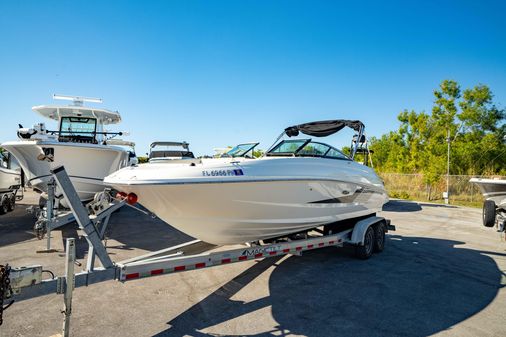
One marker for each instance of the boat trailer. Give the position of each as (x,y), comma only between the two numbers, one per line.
(367,235)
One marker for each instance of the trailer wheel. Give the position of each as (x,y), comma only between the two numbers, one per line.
(379,237)
(4,206)
(365,251)
(488,213)
(11,203)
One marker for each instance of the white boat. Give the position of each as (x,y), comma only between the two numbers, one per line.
(492,189)
(10,180)
(171,152)
(297,185)
(494,206)
(80,144)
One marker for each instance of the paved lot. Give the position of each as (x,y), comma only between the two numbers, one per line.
(442,273)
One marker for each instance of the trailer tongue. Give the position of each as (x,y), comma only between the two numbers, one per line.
(367,235)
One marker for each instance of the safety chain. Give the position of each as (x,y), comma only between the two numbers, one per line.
(5,288)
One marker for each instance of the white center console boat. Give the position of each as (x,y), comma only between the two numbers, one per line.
(297,185)
(80,144)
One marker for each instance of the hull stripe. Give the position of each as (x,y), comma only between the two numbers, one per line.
(79,177)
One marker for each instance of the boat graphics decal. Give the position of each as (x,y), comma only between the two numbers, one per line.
(346,199)
(71,176)
(260,250)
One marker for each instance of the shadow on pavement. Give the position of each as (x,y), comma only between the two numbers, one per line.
(423,204)
(416,287)
(16,226)
(401,206)
(410,206)
(138,230)
(133,230)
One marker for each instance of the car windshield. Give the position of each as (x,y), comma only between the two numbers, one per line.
(240,150)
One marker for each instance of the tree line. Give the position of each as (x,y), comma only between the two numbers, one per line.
(467,118)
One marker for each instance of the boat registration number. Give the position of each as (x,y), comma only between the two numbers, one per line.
(222,173)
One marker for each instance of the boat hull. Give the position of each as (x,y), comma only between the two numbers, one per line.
(10,180)
(244,212)
(86,164)
(492,189)
(253,200)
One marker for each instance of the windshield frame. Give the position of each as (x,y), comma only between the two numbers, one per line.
(242,154)
(70,121)
(294,153)
(297,153)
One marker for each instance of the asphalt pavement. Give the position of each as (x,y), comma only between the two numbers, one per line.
(442,273)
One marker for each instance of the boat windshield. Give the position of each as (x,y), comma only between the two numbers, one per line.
(241,150)
(78,129)
(170,151)
(288,147)
(306,148)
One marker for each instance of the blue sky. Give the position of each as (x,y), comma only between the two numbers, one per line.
(216,73)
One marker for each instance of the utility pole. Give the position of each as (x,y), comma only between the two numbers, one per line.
(446,195)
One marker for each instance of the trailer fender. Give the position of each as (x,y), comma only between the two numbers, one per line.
(358,234)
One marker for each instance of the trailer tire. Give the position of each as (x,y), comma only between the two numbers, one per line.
(11,202)
(4,205)
(488,213)
(379,237)
(365,251)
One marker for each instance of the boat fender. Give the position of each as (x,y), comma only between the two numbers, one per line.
(357,236)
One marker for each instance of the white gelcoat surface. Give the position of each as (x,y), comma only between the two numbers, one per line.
(273,196)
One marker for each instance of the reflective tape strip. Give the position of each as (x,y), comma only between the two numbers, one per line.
(211,262)
(132,276)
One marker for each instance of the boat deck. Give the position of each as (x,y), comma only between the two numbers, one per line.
(442,272)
